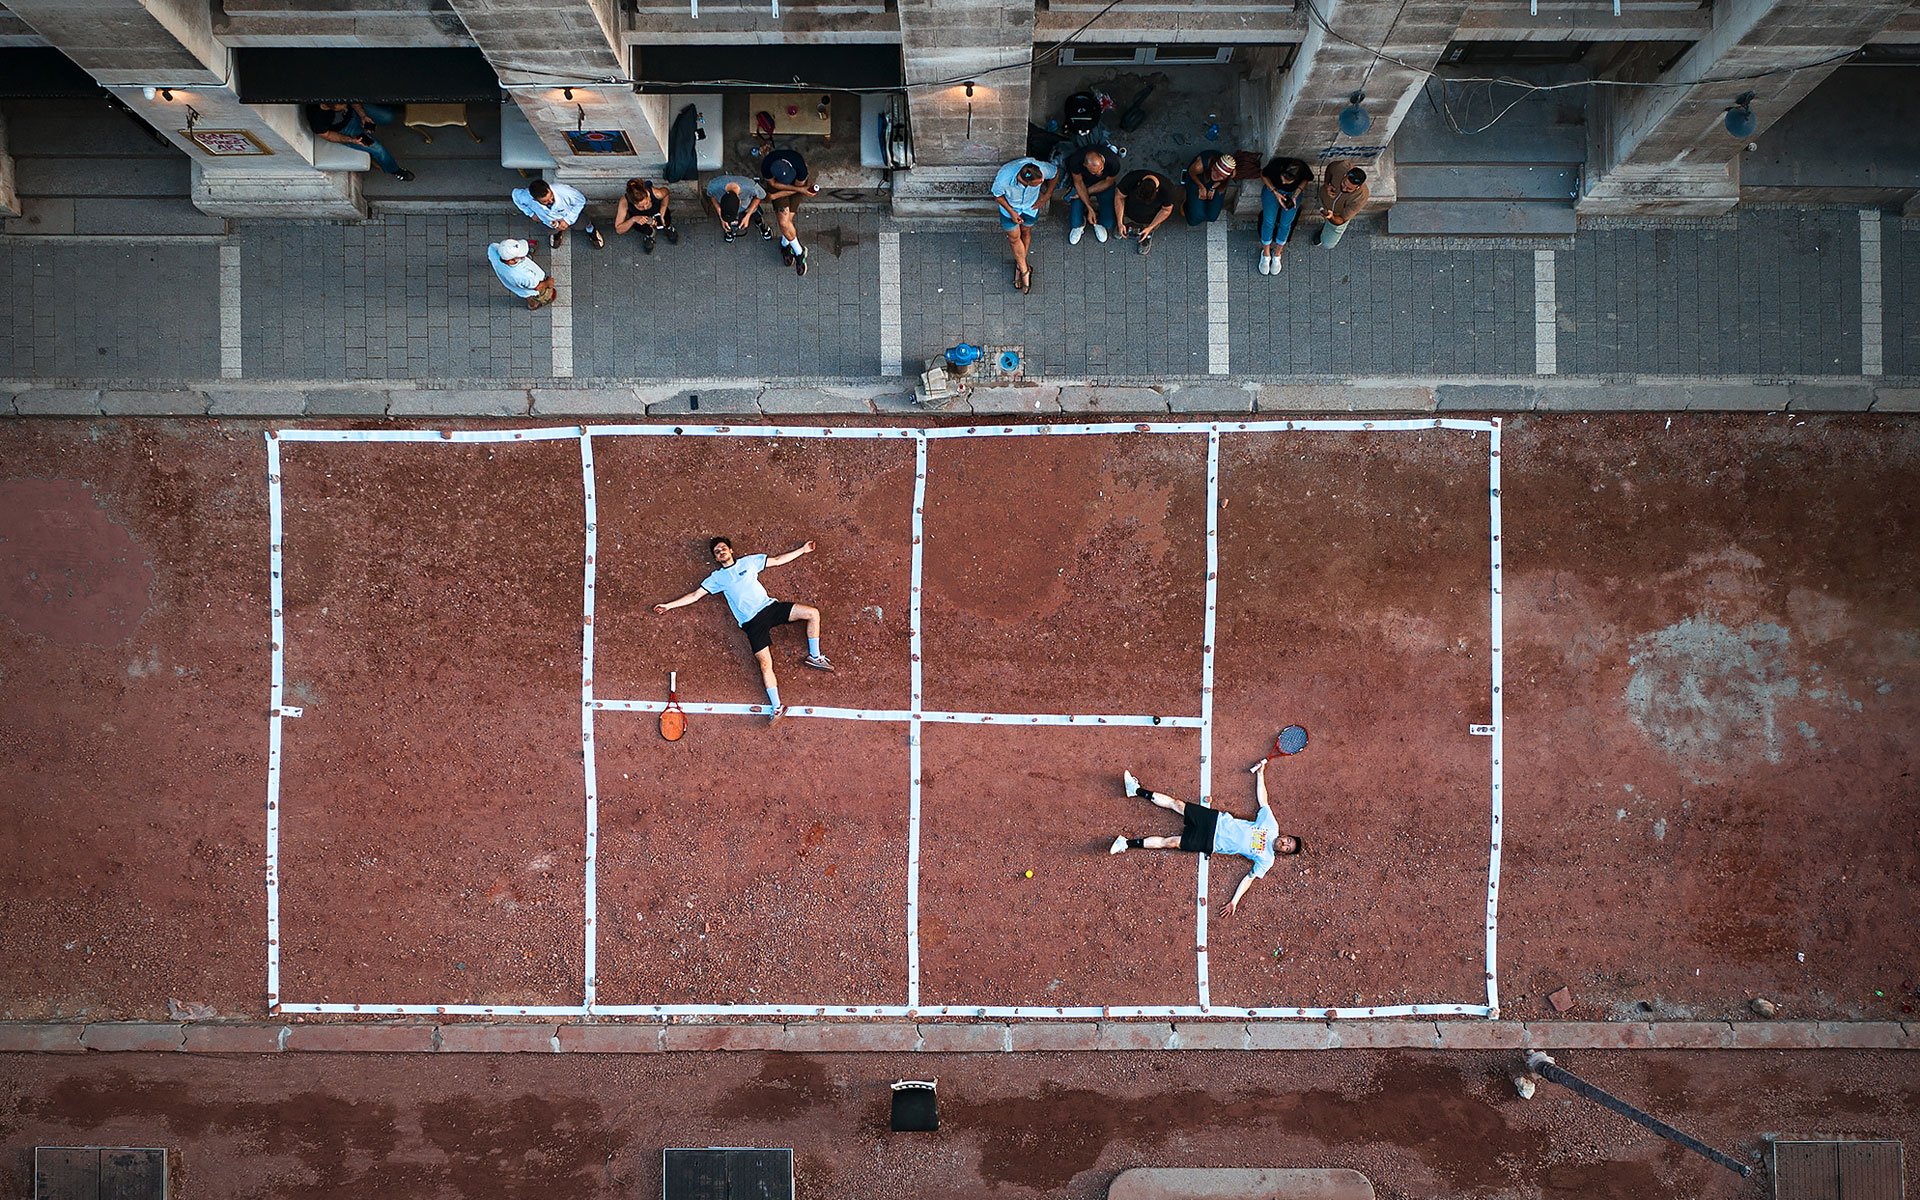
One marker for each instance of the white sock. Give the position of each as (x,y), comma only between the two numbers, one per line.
(794,246)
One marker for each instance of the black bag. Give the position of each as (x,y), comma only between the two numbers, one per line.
(1082,114)
(1040,142)
(683,157)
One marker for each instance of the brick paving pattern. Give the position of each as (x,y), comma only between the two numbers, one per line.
(404,298)
(1900,295)
(704,308)
(109,310)
(1374,306)
(1765,292)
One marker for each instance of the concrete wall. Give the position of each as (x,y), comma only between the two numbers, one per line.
(9,193)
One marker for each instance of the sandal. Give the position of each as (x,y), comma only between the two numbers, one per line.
(1016,280)
(1023,280)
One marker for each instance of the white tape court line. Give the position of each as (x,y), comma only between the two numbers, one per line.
(1870,311)
(891,354)
(996,1011)
(1206,701)
(1546,316)
(560,312)
(1499,725)
(588,767)
(230,336)
(914,647)
(276,695)
(1219,349)
(868,432)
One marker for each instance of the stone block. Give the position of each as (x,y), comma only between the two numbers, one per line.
(1015,398)
(612,1039)
(1736,397)
(361,1039)
(963,1039)
(1481,1035)
(134,1036)
(1774,1035)
(1385,1035)
(1608,397)
(1134,1035)
(498,1039)
(7,407)
(175,403)
(34,1037)
(1894,399)
(1829,397)
(235,1039)
(1589,1035)
(1485,397)
(1210,1035)
(716,401)
(1208,399)
(58,402)
(723,1037)
(1122,400)
(1289,1035)
(823,401)
(587,402)
(858,1038)
(1692,1035)
(1861,1035)
(1054,1035)
(1316,398)
(459,402)
(347,402)
(257,402)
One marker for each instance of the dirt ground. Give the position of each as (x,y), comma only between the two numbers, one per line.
(1712,648)
(1058,1126)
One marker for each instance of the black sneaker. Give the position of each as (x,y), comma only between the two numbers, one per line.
(671,234)
(730,235)
(646,243)
(786,256)
(766,232)
(599,243)
(403,175)
(799,264)
(556,239)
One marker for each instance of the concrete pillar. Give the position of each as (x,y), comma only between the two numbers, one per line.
(1666,150)
(128,45)
(1303,119)
(9,194)
(541,48)
(959,141)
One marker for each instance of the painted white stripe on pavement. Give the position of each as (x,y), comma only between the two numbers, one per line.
(890,340)
(1218,351)
(1546,315)
(561,310)
(230,342)
(1870,310)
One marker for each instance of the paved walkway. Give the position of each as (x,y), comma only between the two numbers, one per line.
(1767,296)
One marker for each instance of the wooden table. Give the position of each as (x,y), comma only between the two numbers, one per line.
(806,121)
(422,117)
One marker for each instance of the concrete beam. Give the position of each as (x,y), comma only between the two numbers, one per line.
(1665,150)
(9,193)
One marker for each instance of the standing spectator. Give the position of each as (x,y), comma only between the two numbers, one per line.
(735,199)
(520,273)
(1281,183)
(1149,203)
(558,207)
(1092,175)
(645,206)
(1342,194)
(353,124)
(1207,178)
(1022,189)
(784,174)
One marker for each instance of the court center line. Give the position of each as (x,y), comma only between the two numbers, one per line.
(914,727)
(591,775)
(1499,722)
(276,697)
(1871,362)
(1206,704)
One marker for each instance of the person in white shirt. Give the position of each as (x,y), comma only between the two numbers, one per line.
(520,273)
(1205,830)
(738,579)
(558,207)
(1021,189)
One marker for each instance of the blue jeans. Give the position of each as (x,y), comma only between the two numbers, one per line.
(381,115)
(1102,208)
(1200,212)
(1276,223)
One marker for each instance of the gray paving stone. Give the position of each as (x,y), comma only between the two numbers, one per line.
(1573,396)
(1896,399)
(347,402)
(811,400)
(1010,399)
(1203,398)
(1484,397)
(58,402)
(721,401)
(6,404)
(1843,397)
(587,402)
(1125,401)
(1342,398)
(1736,397)
(480,402)
(256,402)
(178,402)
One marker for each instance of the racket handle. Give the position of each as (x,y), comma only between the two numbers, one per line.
(673,681)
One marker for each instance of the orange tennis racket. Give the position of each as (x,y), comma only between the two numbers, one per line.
(673,722)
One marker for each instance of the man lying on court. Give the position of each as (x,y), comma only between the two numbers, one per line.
(738,579)
(1210,831)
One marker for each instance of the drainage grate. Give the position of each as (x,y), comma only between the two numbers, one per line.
(1838,1171)
(91,1172)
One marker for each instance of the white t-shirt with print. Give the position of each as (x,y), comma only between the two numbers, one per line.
(740,584)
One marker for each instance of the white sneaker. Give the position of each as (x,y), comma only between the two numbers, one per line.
(1264,260)
(1276,265)
(1119,846)
(1099,233)
(1128,782)
(1073,238)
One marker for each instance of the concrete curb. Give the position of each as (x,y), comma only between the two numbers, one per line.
(896,1037)
(776,400)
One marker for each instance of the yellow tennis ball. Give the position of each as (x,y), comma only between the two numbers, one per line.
(1029,874)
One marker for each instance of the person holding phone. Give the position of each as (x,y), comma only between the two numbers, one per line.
(1281,182)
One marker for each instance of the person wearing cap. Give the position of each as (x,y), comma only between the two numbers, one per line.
(735,199)
(1022,188)
(784,174)
(1343,193)
(558,207)
(512,263)
(1207,178)
(645,206)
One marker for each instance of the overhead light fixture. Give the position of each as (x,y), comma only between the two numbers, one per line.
(567,92)
(1354,120)
(158,93)
(969,89)
(969,110)
(1739,118)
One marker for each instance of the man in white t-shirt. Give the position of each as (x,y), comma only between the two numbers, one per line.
(738,579)
(1209,831)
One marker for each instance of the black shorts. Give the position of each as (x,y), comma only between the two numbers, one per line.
(1196,828)
(759,628)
